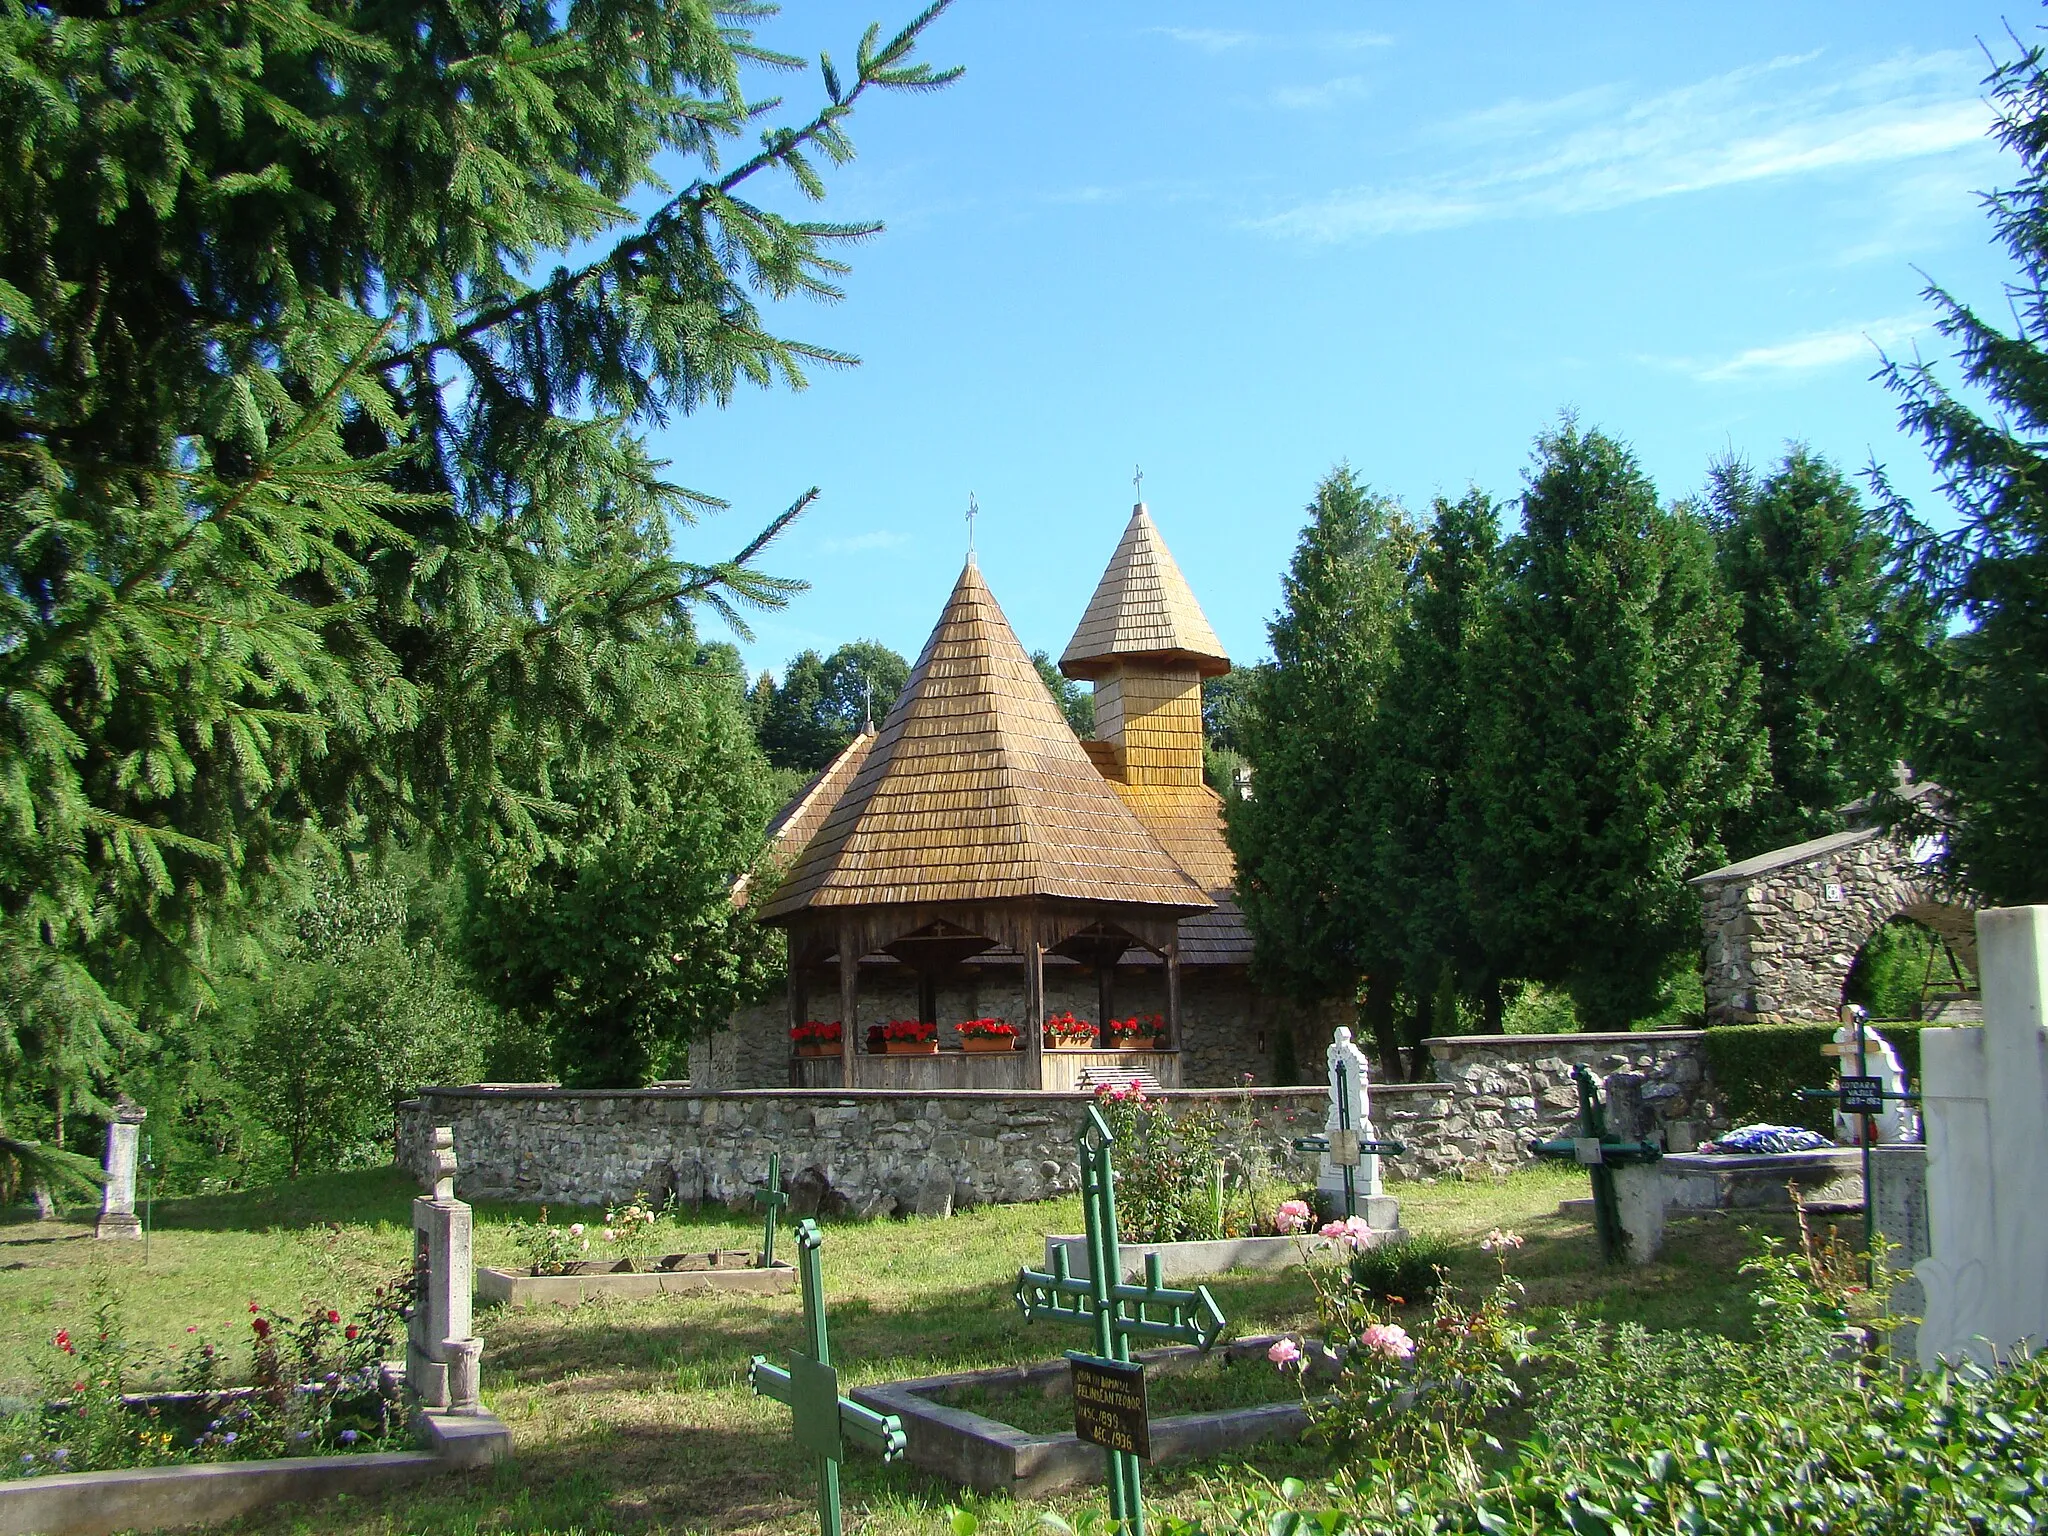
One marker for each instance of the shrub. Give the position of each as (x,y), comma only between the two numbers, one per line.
(1758,1069)
(1405,1271)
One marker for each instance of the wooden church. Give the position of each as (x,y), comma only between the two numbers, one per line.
(973,858)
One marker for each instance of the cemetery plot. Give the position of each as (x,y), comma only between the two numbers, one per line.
(1011,1428)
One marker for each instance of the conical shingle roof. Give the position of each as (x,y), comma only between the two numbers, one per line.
(977,790)
(1142,607)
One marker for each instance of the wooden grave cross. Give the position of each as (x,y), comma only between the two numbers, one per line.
(825,1421)
(1117,1313)
(1599,1153)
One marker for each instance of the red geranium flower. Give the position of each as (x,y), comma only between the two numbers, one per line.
(262,1328)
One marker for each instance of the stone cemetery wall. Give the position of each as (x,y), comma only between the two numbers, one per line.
(875,1152)
(866,1153)
(1510,1088)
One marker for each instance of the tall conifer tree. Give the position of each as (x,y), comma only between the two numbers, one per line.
(1823,620)
(1616,732)
(1425,766)
(1309,726)
(327,513)
(1984,732)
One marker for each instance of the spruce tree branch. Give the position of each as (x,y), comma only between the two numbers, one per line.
(780,149)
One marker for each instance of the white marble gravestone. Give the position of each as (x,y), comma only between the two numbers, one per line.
(441,1358)
(1985,1106)
(1373,1203)
(1898,1124)
(117,1199)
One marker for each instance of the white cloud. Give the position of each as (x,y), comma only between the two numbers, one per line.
(880,538)
(1316,98)
(1208,39)
(1599,149)
(1815,350)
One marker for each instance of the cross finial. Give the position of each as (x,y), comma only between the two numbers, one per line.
(973,511)
(1138,480)
(867,698)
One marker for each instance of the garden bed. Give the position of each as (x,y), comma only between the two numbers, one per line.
(948,1436)
(676,1274)
(164,1498)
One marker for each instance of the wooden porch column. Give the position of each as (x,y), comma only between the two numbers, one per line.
(1034,1006)
(799,1006)
(1173,1040)
(849,1004)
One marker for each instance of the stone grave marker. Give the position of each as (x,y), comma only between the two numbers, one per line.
(442,1357)
(1351,1149)
(117,1199)
(1628,1192)
(1985,1103)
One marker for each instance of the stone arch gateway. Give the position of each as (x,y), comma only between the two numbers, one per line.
(1782,929)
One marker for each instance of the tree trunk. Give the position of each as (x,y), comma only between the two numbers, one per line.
(1377,1015)
(1493,1007)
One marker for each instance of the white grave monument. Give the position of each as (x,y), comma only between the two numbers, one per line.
(117,1199)
(1985,1103)
(1348,1122)
(441,1357)
(1898,1124)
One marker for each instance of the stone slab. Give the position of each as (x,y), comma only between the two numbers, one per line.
(511,1287)
(989,1456)
(1703,1181)
(165,1498)
(1186,1261)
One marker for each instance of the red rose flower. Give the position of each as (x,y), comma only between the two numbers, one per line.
(63,1341)
(333,1316)
(262,1328)
(351,1331)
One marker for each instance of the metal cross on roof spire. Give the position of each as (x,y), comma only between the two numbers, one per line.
(1138,480)
(973,510)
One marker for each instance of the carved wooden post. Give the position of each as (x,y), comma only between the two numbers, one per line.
(849,1005)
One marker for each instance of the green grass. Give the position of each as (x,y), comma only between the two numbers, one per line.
(635,1416)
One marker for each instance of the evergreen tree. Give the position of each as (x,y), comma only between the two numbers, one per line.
(1614,736)
(799,728)
(1310,726)
(627,944)
(1984,733)
(327,514)
(1821,619)
(1425,771)
(1076,702)
(861,680)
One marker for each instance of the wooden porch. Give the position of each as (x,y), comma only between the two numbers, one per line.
(1056,1071)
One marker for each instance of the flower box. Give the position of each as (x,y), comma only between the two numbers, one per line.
(911,1047)
(1137,1043)
(1136,1033)
(905,1037)
(815,1039)
(978,1045)
(1064,1032)
(826,1048)
(989,1034)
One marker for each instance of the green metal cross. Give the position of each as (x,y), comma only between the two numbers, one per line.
(1117,1312)
(773,1199)
(825,1421)
(1599,1154)
(1347,1149)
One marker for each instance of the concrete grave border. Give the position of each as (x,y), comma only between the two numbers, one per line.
(988,1455)
(1213,1256)
(164,1498)
(517,1288)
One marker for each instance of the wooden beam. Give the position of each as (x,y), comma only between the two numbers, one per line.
(1034,1004)
(1173,1040)
(849,1004)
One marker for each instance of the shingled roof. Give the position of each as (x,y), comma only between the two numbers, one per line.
(1142,607)
(977,790)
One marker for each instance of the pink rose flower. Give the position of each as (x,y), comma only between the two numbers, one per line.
(1284,1353)
(1389,1339)
(1293,1216)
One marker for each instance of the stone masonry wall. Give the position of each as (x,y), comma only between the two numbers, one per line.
(1510,1089)
(874,1152)
(865,1153)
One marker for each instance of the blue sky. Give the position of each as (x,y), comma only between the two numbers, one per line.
(1239,244)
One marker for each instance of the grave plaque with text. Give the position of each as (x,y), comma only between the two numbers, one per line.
(1109,1404)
